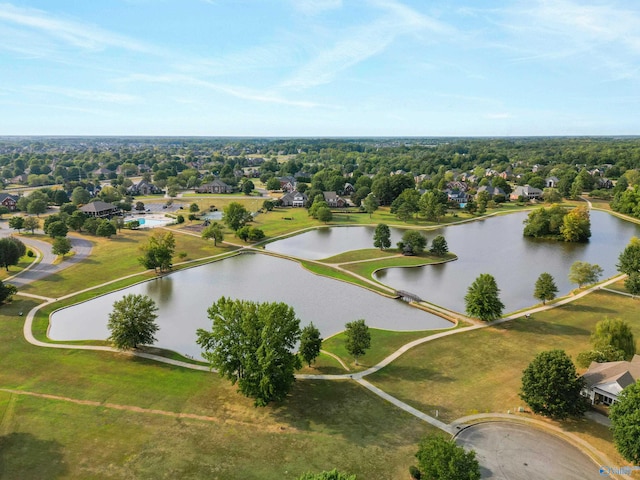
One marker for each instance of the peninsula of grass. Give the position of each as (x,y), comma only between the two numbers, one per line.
(367,269)
(327,271)
(360,255)
(320,426)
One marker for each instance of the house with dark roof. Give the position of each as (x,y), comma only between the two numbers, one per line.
(287,184)
(216,186)
(143,188)
(551,182)
(605,381)
(491,190)
(100,209)
(9,201)
(334,200)
(293,199)
(457,196)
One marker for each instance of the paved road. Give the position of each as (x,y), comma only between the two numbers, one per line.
(45,267)
(508,451)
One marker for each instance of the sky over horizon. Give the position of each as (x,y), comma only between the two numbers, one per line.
(320,67)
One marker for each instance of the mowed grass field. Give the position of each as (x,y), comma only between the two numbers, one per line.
(321,425)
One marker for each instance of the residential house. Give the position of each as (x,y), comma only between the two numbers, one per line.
(604,182)
(216,186)
(348,189)
(287,184)
(102,171)
(9,201)
(526,191)
(457,185)
(293,199)
(100,209)
(334,200)
(457,196)
(551,182)
(605,381)
(491,190)
(143,188)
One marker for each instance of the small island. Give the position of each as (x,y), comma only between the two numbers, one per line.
(559,223)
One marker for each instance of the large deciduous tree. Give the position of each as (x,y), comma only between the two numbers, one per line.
(132,322)
(441,459)
(545,288)
(358,338)
(382,236)
(235,215)
(61,246)
(576,225)
(482,299)
(584,273)
(251,344)
(7,291)
(11,249)
(413,242)
(625,423)
(629,263)
(17,223)
(439,246)
(158,252)
(31,224)
(310,343)
(370,204)
(551,386)
(215,232)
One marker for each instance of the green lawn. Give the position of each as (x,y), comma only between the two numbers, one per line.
(480,371)
(366,269)
(327,271)
(383,344)
(321,425)
(359,255)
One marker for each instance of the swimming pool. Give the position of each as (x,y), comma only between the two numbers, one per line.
(151,222)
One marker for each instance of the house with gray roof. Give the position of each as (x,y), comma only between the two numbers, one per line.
(216,186)
(334,200)
(605,381)
(293,199)
(100,209)
(526,191)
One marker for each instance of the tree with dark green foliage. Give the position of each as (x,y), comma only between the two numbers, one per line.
(625,423)
(213,231)
(482,299)
(551,386)
(441,459)
(132,322)
(247,187)
(31,224)
(358,338)
(604,354)
(251,344)
(17,223)
(629,259)
(324,214)
(158,252)
(268,205)
(433,205)
(57,229)
(545,288)
(584,273)
(329,475)
(11,250)
(310,343)
(439,246)
(37,206)
(194,208)
(106,229)
(61,246)
(235,216)
(632,283)
(413,242)
(382,236)
(273,184)
(616,333)
(7,291)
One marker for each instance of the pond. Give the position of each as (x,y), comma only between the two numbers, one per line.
(496,246)
(329,241)
(183,298)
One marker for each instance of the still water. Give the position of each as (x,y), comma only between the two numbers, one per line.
(183,298)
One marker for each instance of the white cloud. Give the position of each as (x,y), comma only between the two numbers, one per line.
(363,42)
(238,92)
(86,95)
(70,32)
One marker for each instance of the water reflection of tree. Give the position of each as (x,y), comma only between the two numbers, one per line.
(161,290)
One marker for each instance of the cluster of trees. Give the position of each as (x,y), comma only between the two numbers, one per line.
(319,209)
(236,216)
(412,243)
(11,250)
(158,252)
(558,223)
(441,459)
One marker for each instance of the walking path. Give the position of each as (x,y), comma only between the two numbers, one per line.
(84,247)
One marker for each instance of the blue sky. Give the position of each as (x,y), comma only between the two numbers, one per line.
(320,67)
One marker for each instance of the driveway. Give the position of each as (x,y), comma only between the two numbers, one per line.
(508,451)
